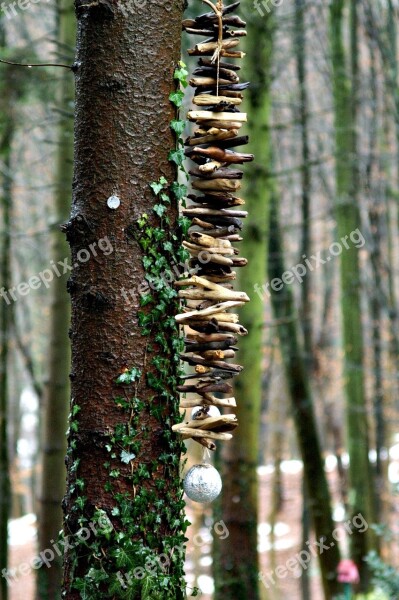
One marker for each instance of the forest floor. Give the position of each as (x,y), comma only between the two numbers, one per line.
(287,541)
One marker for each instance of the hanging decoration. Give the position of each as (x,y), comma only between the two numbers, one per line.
(211,330)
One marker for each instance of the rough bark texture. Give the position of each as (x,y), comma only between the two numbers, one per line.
(57,394)
(236,564)
(126,56)
(303,411)
(361,496)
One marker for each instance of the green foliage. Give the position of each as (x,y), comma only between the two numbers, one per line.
(385,577)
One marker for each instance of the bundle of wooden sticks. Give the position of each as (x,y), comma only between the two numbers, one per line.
(210,329)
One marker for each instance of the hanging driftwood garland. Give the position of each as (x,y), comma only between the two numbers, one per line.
(211,330)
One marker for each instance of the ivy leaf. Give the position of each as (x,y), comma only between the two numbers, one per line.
(176,98)
(126,457)
(177,156)
(178,126)
(146,299)
(179,190)
(159,209)
(85,588)
(129,376)
(143,219)
(181,75)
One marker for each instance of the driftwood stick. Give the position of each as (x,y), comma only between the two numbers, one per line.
(199,339)
(212,138)
(187,433)
(207,115)
(195,249)
(223,172)
(207,81)
(205,442)
(198,294)
(206,62)
(216,309)
(220,154)
(213,72)
(217,184)
(194,359)
(209,167)
(208,99)
(192,212)
(209,400)
(222,423)
(208,48)
(208,241)
(214,202)
(232,54)
(204,224)
(203,388)
(220,124)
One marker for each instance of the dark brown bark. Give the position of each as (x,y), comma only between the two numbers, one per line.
(124,74)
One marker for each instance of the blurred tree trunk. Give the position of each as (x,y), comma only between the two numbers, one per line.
(236,566)
(7,129)
(345,90)
(306,303)
(303,109)
(122,457)
(5,321)
(376,292)
(57,397)
(302,406)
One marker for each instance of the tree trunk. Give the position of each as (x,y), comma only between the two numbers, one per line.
(303,411)
(57,397)
(348,219)
(306,302)
(122,458)
(236,564)
(6,308)
(300,54)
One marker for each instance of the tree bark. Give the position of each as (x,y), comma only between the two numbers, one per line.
(236,568)
(123,459)
(57,394)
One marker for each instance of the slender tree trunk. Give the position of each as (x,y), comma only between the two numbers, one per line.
(303,108)
(376,294)
(236,567)
(6,309)
(361,498)
(303,411)
(306,303)
(57,397)
(122,458)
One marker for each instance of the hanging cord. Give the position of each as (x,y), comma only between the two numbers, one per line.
(206,455)
(218,10)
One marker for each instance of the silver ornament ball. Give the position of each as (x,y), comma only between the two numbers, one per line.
(202,483)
